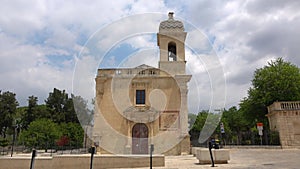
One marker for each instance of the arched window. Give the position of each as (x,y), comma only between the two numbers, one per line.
(172,51)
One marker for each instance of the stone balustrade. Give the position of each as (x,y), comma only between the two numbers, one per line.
(284,117)
(140,71)
(291,105)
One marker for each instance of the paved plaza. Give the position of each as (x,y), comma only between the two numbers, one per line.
(242,159)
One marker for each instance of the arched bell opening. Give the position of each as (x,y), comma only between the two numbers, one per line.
(172,51)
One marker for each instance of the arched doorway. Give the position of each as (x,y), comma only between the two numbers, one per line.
(140,139)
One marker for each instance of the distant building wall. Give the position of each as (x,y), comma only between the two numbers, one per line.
(284,117)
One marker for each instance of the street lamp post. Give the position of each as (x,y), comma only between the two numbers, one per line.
(13,141)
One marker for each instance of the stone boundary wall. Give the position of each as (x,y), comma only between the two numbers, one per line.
(82,161)
(252,147)
(284,117)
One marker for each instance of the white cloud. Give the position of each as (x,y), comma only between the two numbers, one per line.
(148,56)
(27,72)
(142,41)
(39,40)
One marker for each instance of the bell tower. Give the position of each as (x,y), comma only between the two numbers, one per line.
(171,42)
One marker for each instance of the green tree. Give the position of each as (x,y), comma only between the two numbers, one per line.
(8,106)
(69,111)
(61,107)
(191,120)
(210,120)
(234,120)
(43,112)
(200,121)
(277,81)
(41,133)
(74,132)
(3,143)
(85,115)
(235,124)
(31,111)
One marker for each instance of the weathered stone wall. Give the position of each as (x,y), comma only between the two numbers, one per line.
(284,117)
(113,123)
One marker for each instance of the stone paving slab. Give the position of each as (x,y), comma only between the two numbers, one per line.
(242,159)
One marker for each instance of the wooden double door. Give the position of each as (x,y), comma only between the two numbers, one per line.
(140,139)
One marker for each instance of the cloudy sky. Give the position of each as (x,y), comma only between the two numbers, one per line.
(43,43)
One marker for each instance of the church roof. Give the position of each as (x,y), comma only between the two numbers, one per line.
(171,24)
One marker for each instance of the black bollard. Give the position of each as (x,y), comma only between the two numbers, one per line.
(151,151)
(211,156)
(93,149)
(32,158)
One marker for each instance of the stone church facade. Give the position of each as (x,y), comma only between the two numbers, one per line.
(137,107)
(284,117)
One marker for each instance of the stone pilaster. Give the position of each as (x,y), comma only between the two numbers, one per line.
(182,81)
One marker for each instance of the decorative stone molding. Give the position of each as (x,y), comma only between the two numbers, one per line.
(141,114)
(171,24)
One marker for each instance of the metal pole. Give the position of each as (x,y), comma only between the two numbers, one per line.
(221,141)
(85,137)
(224,139)
(13,143)
(150,159)
(151,151)
(92,157)
(211,156)
(32,158)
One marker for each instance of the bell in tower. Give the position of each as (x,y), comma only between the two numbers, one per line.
(172,51)
(171,42)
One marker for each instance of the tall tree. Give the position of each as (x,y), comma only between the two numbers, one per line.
(235,124)
(234,120)
(277,81)
(31,111)
(56,102)
(8,106)
(84,113)
(200,121)
(61,107)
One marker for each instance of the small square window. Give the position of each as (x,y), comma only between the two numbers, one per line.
(140,97)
